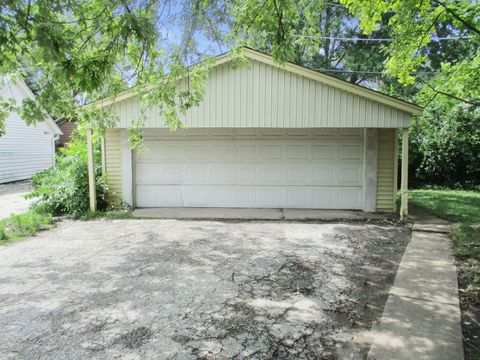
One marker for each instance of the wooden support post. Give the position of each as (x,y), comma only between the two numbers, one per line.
(91,173)
(404,181)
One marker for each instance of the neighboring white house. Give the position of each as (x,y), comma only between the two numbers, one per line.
(25,150)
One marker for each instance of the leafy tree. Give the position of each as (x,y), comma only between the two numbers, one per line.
(317,42)
(78,51)
(414,26)
(446,152)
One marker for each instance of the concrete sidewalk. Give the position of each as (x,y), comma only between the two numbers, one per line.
(12,199)
(421,319)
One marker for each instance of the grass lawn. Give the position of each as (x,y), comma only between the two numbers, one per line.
(17,227)
(20,226)
(462,208)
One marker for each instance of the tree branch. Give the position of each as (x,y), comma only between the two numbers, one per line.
(465,23)
(452,96)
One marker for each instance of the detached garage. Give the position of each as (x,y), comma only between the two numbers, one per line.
(265,136)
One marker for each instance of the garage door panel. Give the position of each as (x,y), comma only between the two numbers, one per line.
(297,152)
(248,196)
(350,152)
(252,168)
(168,151)
(272,152)
(323,151)
(349,198)
(271,175)
(196,152)
(299,175)
(247,152)
(323,175)
(323,198)
(151,196)
(350,176)
(222,152)
(195,196)
(297,198)
(151,174)
(246,174)
(270,197)
(222,174)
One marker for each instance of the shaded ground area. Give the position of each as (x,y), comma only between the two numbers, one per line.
(196,289)
(12,200)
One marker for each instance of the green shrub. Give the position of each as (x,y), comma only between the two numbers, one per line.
(63,189)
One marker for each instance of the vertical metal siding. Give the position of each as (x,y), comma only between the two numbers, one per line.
(260,95)
(386,170)
(113,162)
(24,149)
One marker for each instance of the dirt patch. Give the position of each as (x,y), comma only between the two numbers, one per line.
(470,327)
(135,338)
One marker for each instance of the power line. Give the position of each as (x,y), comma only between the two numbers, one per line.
(375,39)
(366,72)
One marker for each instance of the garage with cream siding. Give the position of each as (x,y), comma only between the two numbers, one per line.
(265,135)
(25,149)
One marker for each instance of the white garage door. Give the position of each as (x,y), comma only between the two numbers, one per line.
(259,168)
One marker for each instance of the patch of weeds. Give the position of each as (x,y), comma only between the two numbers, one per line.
(17,227)
(108,215)
(115,211)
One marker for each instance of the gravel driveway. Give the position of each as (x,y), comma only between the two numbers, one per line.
(159,289)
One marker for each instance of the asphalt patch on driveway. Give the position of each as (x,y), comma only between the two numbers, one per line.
(166,289)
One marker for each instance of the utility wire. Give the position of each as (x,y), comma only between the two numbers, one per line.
(376,39)
(366,72)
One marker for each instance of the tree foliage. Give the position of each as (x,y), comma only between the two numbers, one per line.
(414,26)
(77,51)
(445,145)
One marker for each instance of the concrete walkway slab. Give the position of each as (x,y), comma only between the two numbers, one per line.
(13,204)
(421,319)
(209,213)
(258,214)
(334,215)
(418,329)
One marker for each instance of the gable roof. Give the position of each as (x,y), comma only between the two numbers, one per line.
(47,119)
(315,75)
